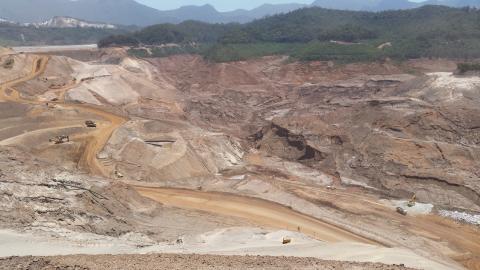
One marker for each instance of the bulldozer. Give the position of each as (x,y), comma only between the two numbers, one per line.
(60,139)
(90,124)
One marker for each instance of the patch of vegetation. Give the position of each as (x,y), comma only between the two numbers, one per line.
(337,52)
(118,40)
(140,53)
(224,52)
(322,34)
(467,67)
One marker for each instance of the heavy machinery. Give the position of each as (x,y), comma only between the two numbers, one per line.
(60,139)
(412,201)
(286,241)
(118,174)
(401,211)
(90,124)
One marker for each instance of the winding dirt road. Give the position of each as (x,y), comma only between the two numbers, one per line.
(95,140)
(261,212)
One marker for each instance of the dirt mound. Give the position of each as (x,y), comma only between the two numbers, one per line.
(278,141)
(161,151)
(183,262)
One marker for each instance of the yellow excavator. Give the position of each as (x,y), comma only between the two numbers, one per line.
(412,201)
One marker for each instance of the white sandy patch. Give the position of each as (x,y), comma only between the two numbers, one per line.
(83,71)
(232,241)
(417,209)
(445,86)
(448,80)
(461,216)
(352,182)
(30,244)
(238,177)
(83,95)
(114,89)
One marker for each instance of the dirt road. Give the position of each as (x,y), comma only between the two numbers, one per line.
(95,140)
(38,67)
(258,211)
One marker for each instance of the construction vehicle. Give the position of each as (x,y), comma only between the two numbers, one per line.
(401,211)
(118,174)
(60,139)
(90,124)
(412,201)
(286,240)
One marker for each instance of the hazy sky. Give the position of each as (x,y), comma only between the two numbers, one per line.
(222,5)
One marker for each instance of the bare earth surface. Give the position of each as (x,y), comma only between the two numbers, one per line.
(232,159)
(203,262)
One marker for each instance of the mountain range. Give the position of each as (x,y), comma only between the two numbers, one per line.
(381,5)
(130,12)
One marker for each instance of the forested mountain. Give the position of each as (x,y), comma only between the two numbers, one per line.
(383,5)
(426,31)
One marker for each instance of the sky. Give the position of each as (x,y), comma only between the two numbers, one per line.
(221,5)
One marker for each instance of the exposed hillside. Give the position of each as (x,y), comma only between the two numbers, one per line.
(67,22)
(18,35)
(316,33)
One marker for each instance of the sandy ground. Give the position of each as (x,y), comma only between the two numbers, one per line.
(232,241)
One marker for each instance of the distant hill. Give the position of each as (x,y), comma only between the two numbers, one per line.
(455,3)
(128,12)
(321,34)
(244,16)
(382,5)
